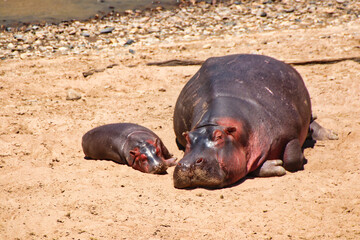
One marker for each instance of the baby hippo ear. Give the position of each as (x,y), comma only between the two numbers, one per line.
(134,152)
(230,130)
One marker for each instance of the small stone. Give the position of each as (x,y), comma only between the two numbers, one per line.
(129,42)
(85,34)
(72,32)
(207,46)
(38,43)
(19,37)
(88,73)
(162,89)
(107,30)
(131,51)
(340,1)
(11,46)
(63,49)
(73,95)
(261,13)
(289,10)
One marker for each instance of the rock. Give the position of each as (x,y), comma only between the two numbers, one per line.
(72,95)
(131,51)
(85,34)
(107,30)
(289,10)
(261,13)
(129,42)
(19,37)
(38,42)
(207,46)
(11,46)
(88,73)
(63,49)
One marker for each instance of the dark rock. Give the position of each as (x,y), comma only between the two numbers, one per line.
(129,42)
(131,51)
(107,30)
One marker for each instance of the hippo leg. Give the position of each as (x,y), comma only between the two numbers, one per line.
(270,168)
(320,133)
(293,156)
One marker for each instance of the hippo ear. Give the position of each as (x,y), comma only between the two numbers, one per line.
(230,130)
(132,153)
(186,135)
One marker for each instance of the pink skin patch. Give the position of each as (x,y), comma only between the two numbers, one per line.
(233,158)
(140,161)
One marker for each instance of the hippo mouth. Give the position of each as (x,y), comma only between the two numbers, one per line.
(185,177)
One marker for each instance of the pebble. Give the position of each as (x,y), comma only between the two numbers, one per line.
(107,30)
(207,46)
(261,13)
(63,49)
(72,95)
(85,34)
(162,89)
(11,46)
(187,23)
(19,37)
(37,43)
(129,42)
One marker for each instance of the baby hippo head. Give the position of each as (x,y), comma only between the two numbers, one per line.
(149,157)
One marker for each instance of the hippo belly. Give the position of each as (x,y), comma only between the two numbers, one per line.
(236,113)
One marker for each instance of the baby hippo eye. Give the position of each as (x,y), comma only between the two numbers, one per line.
(157,150)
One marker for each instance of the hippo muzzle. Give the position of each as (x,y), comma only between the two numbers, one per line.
(148,158)
(200,166)
(200,174)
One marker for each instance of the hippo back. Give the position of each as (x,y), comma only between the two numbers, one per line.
(260,91)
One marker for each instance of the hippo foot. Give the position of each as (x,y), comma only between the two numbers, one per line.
(270,168)
(320,133)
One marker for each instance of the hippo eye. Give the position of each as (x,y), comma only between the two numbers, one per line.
(157,150)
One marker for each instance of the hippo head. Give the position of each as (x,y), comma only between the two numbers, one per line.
(214,157)
(149,157)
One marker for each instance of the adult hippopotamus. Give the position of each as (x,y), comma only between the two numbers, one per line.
(130,144)
(240,114)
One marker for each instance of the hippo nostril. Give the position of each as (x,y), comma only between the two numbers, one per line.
(200,160)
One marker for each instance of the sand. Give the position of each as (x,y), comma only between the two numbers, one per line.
(49,191)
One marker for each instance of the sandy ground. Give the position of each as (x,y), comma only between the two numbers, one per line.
(49,191)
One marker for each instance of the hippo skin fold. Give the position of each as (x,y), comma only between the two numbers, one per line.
(241,114)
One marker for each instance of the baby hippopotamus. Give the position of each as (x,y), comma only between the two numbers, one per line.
(130,144)
(241,114)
